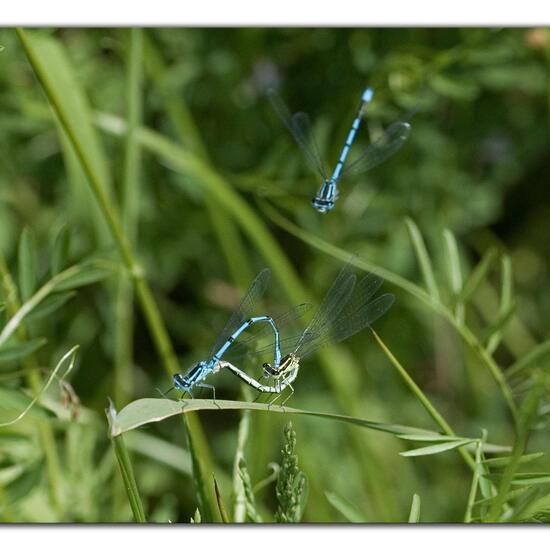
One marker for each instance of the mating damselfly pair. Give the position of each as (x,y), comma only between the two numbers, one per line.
(348,307)
(376,153)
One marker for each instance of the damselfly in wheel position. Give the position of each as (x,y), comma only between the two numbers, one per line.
(240,320)
(347,308)
(377,152)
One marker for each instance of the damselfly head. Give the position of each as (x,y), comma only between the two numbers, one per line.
(289,362)
(326,197)
(180,382)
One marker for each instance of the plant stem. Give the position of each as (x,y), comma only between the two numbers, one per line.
(130,210)
(426,403)
(129,480)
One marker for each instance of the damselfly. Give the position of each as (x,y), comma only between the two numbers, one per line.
(347,308)
(377,152)
(240,321)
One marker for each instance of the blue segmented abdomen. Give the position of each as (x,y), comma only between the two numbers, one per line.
(248,323)
(367,96)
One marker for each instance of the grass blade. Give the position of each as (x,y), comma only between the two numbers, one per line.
(345,508)
(478,274)
(455,273)
(129,480)
(436,449)
(144,411)
(423,258)
(414,515)
(20,350)
(219,500)
(506,303)
(538,357)
(26,254)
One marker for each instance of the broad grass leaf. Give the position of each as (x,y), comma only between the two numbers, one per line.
(144,411)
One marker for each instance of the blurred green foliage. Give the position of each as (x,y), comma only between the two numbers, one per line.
(476,163)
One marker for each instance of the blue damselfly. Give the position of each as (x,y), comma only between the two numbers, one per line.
(347,308)
(377,152)
(240,321)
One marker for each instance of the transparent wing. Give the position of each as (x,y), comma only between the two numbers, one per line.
(365,289)
(299,126)
(245,309)
(380,150)
(347,326)
(334,301)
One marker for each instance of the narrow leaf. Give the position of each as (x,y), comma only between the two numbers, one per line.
(347,509)
(439,448)
(455,272)
(414,515)
(478,274)
(26,255)
(502,461)
(423,258)
(86,276)
(50,304)
(429,438)
(538,357)
(506,301)
(60,250)
(221,506)
(20,350)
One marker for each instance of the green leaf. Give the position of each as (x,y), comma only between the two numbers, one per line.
(506,303)
(423,258)
(454,88)
(478,274)
(60,250)
(534,478)
(14,402)
(429,438)
(221,505)
(502,461)
(538,357)
(414,515)
(149,409)
(31,477)
(345,508)
(206,505)
(20,350)
(26,255)
(439,448)
(86,276)
(50,304)
(162,451)
(127,472)
(455,272)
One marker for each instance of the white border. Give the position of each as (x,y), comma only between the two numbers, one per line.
(351,13)
(267,537)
